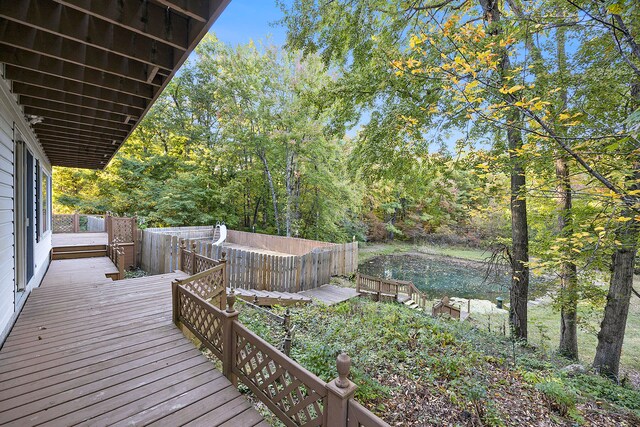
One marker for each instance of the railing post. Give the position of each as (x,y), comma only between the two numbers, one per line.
(175,301)
(76,222)
(229,339)
(357,282)
(339,391)
(181,255)
(193,258)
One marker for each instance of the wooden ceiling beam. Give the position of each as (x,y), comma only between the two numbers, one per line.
(26,91)
(79,142)
(42,64)
(77,165)
(40,81)
(42,43)
(71,24)
(85,151)
(142,17)
(49,105)
(76,136)
(74,118)
(90,130)
(194,9)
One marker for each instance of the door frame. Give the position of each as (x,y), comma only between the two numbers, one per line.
(20,235)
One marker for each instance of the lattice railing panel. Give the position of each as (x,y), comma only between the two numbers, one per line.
(208,284)
(122,229)
(298,398)
(204,263)
(63,223)
(202,320)
(187,262)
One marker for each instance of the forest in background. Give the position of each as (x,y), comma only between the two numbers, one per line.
(505,124)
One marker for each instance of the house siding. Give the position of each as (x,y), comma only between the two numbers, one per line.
(12,122)
(7,224)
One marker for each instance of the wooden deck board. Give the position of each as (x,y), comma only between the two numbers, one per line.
(330,294)
(79,271)
(78,239)
(104,352)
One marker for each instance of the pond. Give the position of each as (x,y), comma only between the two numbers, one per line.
(439,276)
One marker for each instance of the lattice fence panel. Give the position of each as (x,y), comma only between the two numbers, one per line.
(201,319)
(300,403)
(63,223)
(187,265)
(122,229)
(208,286)
(204,263)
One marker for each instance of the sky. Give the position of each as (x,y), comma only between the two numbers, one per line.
(245,20)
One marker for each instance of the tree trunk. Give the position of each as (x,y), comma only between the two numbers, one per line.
(612,328)
(289,182)
(568,273)
(272,190)
(614,323)
(568,296)
(519,292)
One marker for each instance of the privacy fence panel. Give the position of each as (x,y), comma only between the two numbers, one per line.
(255,261)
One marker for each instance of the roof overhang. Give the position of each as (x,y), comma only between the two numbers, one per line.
(86,72)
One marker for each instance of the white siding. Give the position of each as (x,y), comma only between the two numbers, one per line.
(7,240)
(11,117)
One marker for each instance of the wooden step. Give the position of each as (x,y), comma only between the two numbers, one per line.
(75,248)
(79,254)
(269,298)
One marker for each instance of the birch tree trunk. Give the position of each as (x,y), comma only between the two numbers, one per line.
(272,190)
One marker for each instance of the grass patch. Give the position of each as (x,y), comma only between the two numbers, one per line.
(372,250)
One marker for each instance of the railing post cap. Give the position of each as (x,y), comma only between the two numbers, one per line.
(231,300)
(343,363)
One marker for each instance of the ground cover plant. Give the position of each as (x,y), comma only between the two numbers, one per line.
(412,369)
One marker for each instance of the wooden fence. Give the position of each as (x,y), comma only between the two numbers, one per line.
(295,395)
(78,223)
(249,269)
(124,231)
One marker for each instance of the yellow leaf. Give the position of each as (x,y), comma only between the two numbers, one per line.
(623,219)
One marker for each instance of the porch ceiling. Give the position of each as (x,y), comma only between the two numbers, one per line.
(90,70)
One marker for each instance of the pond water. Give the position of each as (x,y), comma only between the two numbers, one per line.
(438,276)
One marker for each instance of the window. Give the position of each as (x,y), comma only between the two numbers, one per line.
(45,191)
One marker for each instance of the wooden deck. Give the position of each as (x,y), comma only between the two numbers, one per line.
(78,272)
(108,353)
(78,239)
(330,294)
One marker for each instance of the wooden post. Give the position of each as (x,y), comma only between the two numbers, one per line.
(181,255)
(193,258)
(339,391)
(229,339)
(225,279)
(76,222)
(357,282)
(176,301)
(286,347)
(134,235)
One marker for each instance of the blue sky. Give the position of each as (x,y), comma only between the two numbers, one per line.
(245,20)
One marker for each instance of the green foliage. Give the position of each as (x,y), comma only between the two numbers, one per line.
(599,388)
(557,396)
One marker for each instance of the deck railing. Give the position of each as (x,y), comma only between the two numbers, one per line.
(295,395)
(116,254)
(390,288)
(78,223)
